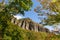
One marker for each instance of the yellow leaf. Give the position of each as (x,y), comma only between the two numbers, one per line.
(54,0)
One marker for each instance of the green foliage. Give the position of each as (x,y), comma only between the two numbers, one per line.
(55,6)
(53,11)
(53,19)
(13,32)
(53,37)
(19,6)
(12,8)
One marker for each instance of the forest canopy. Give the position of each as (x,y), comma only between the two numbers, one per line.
(52,7)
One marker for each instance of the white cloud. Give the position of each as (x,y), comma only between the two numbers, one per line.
(19,17)
(49,27)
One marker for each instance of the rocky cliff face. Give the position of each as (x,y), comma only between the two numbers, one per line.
(28,24)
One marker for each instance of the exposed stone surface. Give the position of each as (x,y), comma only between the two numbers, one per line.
(28,24)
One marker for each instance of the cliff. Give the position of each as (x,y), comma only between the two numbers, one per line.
(28,24)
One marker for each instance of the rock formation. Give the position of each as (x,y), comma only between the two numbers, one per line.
(28,24)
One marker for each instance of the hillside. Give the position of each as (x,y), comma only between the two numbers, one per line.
(28,24)
(13,32)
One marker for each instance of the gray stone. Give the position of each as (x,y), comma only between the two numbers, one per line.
(28,24)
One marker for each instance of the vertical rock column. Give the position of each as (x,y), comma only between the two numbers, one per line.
(27,25)
(32,26)
(16,21)
(23,26)
(20,23)
(36,28)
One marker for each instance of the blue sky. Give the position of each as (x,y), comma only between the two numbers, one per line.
(31,14)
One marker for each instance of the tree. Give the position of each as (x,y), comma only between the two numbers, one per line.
(13,7)
(52,9)
(19,6)
(54,6)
